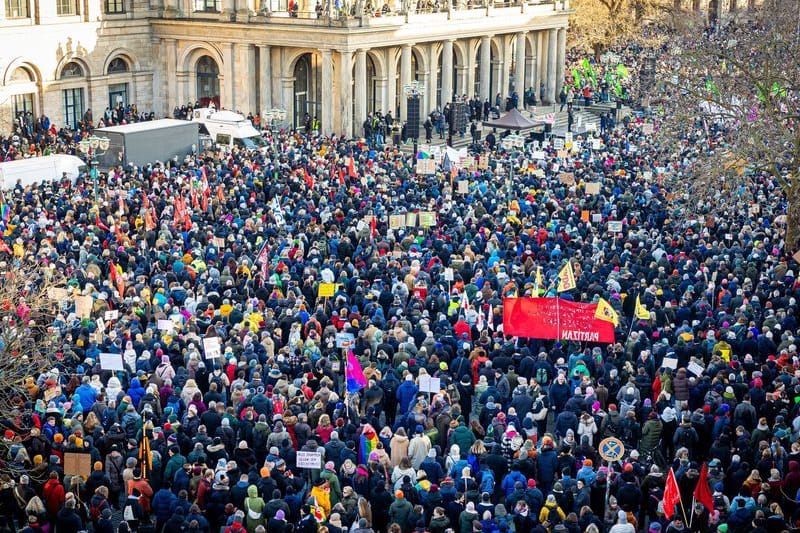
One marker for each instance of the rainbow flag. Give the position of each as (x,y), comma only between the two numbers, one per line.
(353,374)
(369,442)
(5,212)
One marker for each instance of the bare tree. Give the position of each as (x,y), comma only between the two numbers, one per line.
(730,96)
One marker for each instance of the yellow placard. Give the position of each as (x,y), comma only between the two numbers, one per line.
(427,219)
(326,290)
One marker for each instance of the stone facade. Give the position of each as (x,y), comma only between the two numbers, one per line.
(336,60)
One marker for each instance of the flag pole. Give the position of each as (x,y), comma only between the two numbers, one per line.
(683,510)
(691,512)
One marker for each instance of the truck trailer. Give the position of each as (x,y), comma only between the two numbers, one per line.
(147,142)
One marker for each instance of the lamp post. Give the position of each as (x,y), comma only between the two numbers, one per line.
(510,144)
(413,91)
(91,147)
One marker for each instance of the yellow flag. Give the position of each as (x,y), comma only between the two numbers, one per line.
(605,312)
(566,278)
(641,311)
(537,284)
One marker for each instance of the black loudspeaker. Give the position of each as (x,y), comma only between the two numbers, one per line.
(412,112)
(461,116)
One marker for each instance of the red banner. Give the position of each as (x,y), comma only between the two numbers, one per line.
(554,318)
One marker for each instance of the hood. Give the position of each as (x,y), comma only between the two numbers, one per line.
(252,491)
(135,383)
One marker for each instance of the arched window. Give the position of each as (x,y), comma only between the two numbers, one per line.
(117,66)
(72,70)
(207,81)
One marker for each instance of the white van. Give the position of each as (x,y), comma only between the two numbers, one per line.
(38,169)
(227,128)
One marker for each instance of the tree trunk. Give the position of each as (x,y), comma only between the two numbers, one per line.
(792,219)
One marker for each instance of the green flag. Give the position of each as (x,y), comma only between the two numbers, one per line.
(622,72)
(778,90)
(576,78)
(712,87)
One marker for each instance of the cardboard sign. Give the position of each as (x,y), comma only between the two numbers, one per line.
(326,290)
(165,325)
(448,274)
(58,294)
(345,340)
(558,143)
(312,460)
(111,361)
(411,220)
(397,221)
(670,362)
(426,167)
(219,242)
(796,256)
(695,369)
(593,188)
(538,154)
(77,464)
(463,187)
(212,347)
(483,162)
(614,226)
(111,315)
(596,144)
(83,306)
(429,384)
(427,219)
(567,178)
(101,327)
(576,146)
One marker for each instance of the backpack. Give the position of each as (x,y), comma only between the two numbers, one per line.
(96,510)
(487,482)
(541,376)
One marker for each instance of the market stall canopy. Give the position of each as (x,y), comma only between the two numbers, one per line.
(513,120)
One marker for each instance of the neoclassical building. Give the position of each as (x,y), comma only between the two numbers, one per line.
(333,59)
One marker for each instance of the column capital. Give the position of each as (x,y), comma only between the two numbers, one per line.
(486,38)
(326,52)
(408,46)
(362,51)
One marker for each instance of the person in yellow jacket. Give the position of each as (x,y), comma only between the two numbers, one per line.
(550,507)
(321,495)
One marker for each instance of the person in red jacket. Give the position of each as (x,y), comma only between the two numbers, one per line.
(53,494)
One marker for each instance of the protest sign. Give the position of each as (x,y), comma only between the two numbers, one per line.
(427,219)
(77,464)
(426,167)
(558,143)
(585,215)
(344,340)
(670,362)
(463,187)
(694,368)
(58,294)
(539,154)
(596,144)
(326,290)
(593,188)
(111,315)
(111,361)
(165,325)
(483,162)
(614,226)
(411,220)
(83,306)
(597,217)
(567,178)
(397,221)
(448,274)
(556,319)
(212,348)
(312,460)
(429,384)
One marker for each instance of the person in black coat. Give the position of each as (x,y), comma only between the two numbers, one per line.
(68,521)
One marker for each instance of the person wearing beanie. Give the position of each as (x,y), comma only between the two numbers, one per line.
(328,475)
(400,511)
(467,517)
(278,523)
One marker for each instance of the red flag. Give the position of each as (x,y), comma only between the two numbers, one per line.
(351,167)
(373,226)
(702,492)
(309,179)
(555,318)
(117,280)
(672,495)
(99,223)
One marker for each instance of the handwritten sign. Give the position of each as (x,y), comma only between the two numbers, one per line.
(426,167)
(463,187)
(111,315)
(427,219)
(411,220)
(219,242)
(567,178)
(212,348)
(397,221)
(596,144)
(312,460)
(670,362)
(429,384)
(326,290)
(345,340)
(165,325)
(83,306)
(593,188)
(483,162)
(614,226)
(694,368)
(58,294)
(448,274)
(558,144)
(77,464)
(538,154)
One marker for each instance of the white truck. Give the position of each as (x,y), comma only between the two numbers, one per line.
(35,170)
(228,129)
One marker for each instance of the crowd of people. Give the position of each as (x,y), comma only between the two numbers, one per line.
(262,434)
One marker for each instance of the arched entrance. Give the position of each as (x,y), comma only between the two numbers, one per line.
(477,73)
(207,81)
(307,96)
(398,94)
(25,91)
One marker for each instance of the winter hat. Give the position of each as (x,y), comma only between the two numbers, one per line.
(280,515)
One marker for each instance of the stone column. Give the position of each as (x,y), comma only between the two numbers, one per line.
(533,65)
(287,96)
(447,72)
(326,120)
(519,66)
(465,83)
(542,60)
(170,61)
(346,90)
(505,66)
(552,45)
(486,64)
(391,87)
(360,91)
(245,61)
(561,58)
(228,10)
(228,96)
(265,77)
(405,78)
